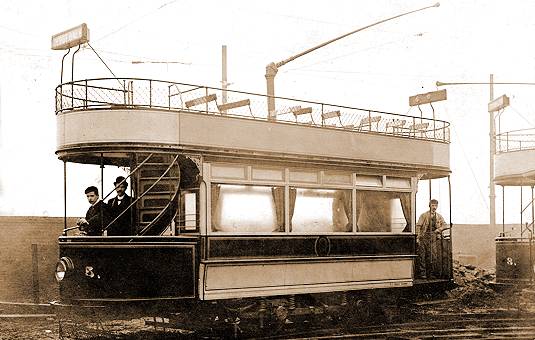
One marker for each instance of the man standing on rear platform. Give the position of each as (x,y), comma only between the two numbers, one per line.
(120,210)
(428,237)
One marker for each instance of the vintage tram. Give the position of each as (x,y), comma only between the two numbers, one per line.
(233,204)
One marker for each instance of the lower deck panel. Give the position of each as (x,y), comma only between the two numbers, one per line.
(238,280)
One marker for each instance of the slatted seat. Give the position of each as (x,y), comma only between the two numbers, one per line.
(396,125)
(419,128)
(297,111)
(367,123)
(223,108)
(329,116)
(201,100)
(303,111)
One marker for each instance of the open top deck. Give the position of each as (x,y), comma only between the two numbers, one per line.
(122,115)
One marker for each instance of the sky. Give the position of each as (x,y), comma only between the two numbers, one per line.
(377,68)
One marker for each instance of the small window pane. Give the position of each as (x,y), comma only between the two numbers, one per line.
(370,181)
(303,176)
(228,171)
(337,178)
(317,210)
(268,174)
(190,210)
(397,182)
(243,208)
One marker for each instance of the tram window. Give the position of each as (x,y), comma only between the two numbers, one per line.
(246,208)
(187,219)
(378,211)
(320,210)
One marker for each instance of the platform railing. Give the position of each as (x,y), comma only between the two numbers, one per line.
(516,140)
(133,93)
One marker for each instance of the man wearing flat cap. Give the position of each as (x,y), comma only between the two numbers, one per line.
(429,230)
(121,212)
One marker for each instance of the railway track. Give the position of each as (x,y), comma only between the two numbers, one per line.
(429,320)
(512,327)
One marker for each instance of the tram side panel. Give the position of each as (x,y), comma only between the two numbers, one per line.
(238,267)
(514,260)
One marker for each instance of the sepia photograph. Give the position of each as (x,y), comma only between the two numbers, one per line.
(181,169)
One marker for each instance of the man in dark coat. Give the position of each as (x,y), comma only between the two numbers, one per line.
(97,216)
(120,211)
(429,230)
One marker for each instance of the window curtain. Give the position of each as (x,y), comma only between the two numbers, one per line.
(215,191)
(278,201)
(347,203)
(358,208)
(293,196)
(405,199)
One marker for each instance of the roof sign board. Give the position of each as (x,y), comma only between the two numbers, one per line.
(499,103)
(426,98)
(72,37)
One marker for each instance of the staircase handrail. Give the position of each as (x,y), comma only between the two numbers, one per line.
(529,228)
(129,175)
(528,205)
(142,231)
(143,194)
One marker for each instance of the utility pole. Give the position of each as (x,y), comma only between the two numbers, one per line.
(224,72)
(492,135)
(273,68)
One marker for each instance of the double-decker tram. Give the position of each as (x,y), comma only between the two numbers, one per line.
(232,208)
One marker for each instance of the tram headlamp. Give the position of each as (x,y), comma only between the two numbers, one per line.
(64,264)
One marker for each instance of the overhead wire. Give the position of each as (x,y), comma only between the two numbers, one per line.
(520,114)
(303,68)
(135,20)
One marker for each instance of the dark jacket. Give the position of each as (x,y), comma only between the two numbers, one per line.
(97,217)
(123,225)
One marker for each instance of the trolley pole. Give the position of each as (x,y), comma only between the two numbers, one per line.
(273,68)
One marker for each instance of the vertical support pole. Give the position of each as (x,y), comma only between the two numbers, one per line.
(224,74)
(531,269)
(64,197)
(430,190)
(206,94)
(271,72)
(61,82)
(450,259)
(35,273)
(492,195)
(101,188)
(72,76)
(85,103)
(169,96)
(150,92)
(532,213)
(503,209)
(521,213)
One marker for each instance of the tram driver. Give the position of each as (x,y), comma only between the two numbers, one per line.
(97,216)
(428,234)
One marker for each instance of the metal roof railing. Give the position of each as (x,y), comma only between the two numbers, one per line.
(134,93)
(516,140)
